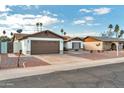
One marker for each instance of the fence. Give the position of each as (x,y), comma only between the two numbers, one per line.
(6,47)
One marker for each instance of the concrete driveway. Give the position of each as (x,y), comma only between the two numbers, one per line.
(78,56)
(60,59)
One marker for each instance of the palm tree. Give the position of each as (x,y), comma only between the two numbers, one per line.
(116,30)
(11,33)
(19,30)
(121,33)
(110,30)
(4,32)
(65,33)
(62,31)
(37,25)
(40,24)
(110,27)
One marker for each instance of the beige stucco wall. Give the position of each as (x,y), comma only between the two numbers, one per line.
(93,45)
(102,46)
(107,45)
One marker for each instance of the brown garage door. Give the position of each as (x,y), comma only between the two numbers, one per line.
(44,47)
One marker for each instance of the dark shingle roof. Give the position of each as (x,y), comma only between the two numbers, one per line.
(29,35)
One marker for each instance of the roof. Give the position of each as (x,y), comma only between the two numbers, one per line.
(105,38)
(19,35)
(66,37)
(30,35)
(71,38)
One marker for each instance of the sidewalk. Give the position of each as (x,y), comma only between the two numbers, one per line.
(22,72)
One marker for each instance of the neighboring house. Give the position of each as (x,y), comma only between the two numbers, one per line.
(102,43)
(44,42)
(73,43)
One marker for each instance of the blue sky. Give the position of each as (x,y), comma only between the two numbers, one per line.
(76,20)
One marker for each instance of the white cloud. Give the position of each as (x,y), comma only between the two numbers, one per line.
(90,33)
(28,7)
(102,11)
(85,10)
(26,22)
(46,12)
(4,8)
(93,24)
(47,20)
(97,24)
(62,21)
(86,20)
(79,22)
(29,19)
(84,33)
(89,18)
(98,11)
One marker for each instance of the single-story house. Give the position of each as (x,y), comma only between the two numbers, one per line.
(102,43)
(73,43)
(44,42)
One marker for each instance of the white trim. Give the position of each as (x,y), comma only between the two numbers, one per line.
(45,39)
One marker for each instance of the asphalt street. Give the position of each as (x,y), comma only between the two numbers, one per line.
(109,76)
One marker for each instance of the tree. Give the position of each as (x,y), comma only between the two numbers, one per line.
(41,26)
(110,27)
(37,25)
(116,30)
(19,30)
(110,30)
(121,33)
(4,32)
(65,33)
(11,33)
(62,30)
(4,38)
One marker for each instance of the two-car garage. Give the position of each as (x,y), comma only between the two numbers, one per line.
(44,47)
(44,42)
